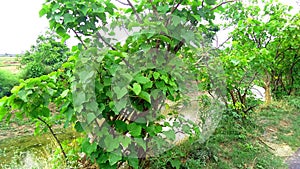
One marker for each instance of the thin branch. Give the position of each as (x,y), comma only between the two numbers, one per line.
(202,4)
(121,2)
(224,42)
(177,5)
(249,108)
(55,137)
(178,46)
(268,41)
(154,9)
(181,43)
(103,40)
(172,11)
(225,2)
(112,47)
(135,12)
(79,38)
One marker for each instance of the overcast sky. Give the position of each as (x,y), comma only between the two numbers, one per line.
(21,24)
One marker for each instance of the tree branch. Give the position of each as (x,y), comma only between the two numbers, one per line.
(135,12)
(55,137)
(154,9)
(177,5)
(222,4)
(103,40)
(121,2)
(172,11)
(79,38)
(178,46)
(224,42)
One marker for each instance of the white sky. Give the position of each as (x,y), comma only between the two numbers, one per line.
(20,24)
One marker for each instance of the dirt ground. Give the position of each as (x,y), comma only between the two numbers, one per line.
(294,160)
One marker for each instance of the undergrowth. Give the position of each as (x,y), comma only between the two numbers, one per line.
(237,142)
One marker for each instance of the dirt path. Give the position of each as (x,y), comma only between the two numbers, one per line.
(294,160)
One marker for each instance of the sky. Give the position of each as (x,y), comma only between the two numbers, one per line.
(20,24)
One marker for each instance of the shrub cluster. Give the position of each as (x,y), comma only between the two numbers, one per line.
(7,82)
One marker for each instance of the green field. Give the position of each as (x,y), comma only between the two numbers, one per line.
(10,64)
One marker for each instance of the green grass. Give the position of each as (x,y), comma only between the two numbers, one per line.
(284,119)
(239,143)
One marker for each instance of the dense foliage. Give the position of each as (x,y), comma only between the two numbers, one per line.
(7,82)
(261,51)
(46,56)
(115,91)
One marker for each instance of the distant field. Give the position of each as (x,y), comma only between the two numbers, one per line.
(10,64)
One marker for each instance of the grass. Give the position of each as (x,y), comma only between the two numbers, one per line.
(241,143)
(283,117)
(10,64)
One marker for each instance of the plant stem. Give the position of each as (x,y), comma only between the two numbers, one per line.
(55,137)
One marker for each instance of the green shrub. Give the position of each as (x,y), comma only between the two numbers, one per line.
(7,82)
(46,56)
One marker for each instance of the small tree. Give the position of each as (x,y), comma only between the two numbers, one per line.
(264,49)
(46,56)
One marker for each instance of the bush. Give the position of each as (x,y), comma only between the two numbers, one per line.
(7,82)
(46,56)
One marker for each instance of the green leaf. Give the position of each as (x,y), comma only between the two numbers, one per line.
(120,92)
(3,110)
(134,162)
(64,93)
(210,2)
(141,143)
(44,10)
(148,85)
(120,104)
(113,158)
(146,96)
(45,112)
(87,147)
(175,163)
(78,127)
(176,20)
(84,9)
(121,126)
(61,30)
(137,88)
(125,141)
(90,117)
(163,9)
(134,129)
(79,99)
(165,78)
(111,143)
(141,79)
(23,95)
(156,75)
(68,18)
(170,134)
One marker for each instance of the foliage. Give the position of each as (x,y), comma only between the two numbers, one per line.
(283,119)
(261,51)
(7,82)
(46,56)
(237,143)
(114,91)
(127,101)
